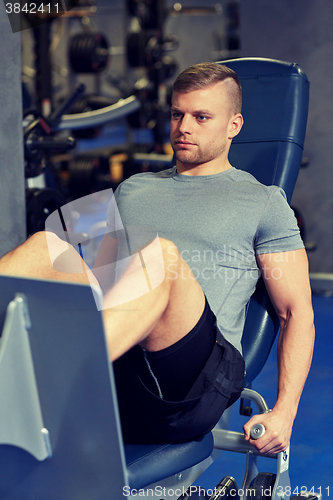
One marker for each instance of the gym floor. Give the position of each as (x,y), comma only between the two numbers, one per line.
(311,457)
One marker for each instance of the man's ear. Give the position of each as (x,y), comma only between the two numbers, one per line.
(236,124)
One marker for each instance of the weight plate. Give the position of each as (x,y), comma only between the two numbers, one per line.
(262,486)
(88,52)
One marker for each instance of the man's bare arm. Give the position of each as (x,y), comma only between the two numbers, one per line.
(287,281)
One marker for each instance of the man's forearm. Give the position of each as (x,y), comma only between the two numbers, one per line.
(295,348)
(291,297)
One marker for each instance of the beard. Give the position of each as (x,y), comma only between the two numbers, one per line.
(193,158)
(198,156)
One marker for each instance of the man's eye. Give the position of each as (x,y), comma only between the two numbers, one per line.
(202,118)
(176,115)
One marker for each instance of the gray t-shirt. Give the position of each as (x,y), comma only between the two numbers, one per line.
(220,224)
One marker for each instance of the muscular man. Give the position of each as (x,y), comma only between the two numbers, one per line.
(174,316)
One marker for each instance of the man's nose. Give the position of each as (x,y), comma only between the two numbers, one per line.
(186,125)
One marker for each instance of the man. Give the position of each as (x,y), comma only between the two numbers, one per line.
(174,316)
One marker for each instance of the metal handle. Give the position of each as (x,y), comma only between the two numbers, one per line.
(257,431)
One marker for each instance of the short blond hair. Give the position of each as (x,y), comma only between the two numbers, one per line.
(201,75)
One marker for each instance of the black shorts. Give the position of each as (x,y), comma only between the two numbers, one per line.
(210,379)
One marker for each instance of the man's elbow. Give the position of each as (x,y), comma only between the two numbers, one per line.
(301,315)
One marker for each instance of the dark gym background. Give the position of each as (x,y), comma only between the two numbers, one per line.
(297,31)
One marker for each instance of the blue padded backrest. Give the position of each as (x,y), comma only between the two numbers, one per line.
(269,146)
(275,109)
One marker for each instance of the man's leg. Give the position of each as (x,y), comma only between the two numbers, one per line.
(154,320)
(32,259)
(159,318)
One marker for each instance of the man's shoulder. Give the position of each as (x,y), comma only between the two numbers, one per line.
(144,180)
(141,182)
(238,175)
(150,176)
(250,183)
(246,190)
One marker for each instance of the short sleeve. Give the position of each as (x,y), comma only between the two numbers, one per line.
(277,230)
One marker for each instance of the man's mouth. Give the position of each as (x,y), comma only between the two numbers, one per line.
(184,143)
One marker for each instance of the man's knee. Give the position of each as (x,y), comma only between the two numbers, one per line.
(29,255)
(46,253)
(168,257)
(39,243)
(169,250)
(63,257)
(160,251)
(48,249)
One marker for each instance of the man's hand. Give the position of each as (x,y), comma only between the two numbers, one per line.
(277,435)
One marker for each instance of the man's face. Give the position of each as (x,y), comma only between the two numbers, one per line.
(202,126)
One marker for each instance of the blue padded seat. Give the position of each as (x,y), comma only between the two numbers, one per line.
(269,146)
(147,464)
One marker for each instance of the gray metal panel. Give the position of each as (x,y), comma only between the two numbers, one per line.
(20,413)
(77,397)
(12,193)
